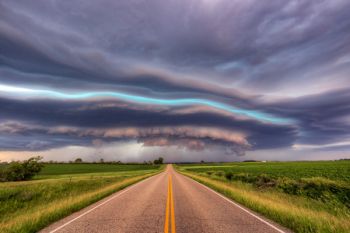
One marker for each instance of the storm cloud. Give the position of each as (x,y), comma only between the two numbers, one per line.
(218,76)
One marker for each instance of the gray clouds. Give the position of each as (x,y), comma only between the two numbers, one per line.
(87,121)
(288,59)
(258,43)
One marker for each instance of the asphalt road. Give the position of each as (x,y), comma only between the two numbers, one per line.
(168,202)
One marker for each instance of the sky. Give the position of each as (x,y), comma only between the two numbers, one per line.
(189,80)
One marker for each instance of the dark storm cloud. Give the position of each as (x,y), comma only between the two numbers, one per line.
(23,118)
(266,56)
(98,42)
(322,118)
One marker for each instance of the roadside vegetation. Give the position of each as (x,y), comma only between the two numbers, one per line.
(60,189)
(21,170)
(303,196)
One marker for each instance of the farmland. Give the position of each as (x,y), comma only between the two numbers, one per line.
(303,196)
(83,169)
(60,189)
(333,170)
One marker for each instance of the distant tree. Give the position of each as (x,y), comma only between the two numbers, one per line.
(78,160)
(202,161)
(21,170)
(102,160)
(158,161)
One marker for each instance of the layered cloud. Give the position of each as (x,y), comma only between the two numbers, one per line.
(81,122)
(198,75)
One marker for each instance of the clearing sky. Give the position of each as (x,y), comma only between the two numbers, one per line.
(190,80)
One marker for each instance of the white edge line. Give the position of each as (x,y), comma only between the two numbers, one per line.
(116,195)
(237,205)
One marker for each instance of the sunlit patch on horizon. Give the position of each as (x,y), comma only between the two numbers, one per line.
(323,146)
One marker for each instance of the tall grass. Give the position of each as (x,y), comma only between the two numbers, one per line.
(29,206)
(295,212)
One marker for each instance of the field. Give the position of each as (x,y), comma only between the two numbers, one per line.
(303,196)
(61,189)
(333,170)
(69,169)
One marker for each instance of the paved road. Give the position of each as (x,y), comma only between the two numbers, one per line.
(168,202)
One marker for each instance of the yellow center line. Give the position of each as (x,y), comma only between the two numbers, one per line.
(170,208)
(166,224)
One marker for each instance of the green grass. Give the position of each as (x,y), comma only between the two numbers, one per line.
(333,170)
(303,196)
(61,189)
(64,169)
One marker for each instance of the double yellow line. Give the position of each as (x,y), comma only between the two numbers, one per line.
(170,209)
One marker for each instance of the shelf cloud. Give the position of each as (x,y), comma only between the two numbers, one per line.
(212,77)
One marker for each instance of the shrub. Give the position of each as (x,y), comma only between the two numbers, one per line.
(264,180)
(289,186)
(317,188)
(323,189)
(209,172)
(229,175)
(17,171)
(245,177)
(219,173)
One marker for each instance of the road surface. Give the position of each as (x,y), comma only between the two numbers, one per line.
(168,202)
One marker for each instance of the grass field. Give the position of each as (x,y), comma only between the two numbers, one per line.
(69,169)
(61,189)
(333,170)
(303,196)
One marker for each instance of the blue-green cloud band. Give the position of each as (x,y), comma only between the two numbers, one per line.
(257,115)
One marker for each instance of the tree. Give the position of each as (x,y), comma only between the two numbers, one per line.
(78,160)
(158,161)
(24,170)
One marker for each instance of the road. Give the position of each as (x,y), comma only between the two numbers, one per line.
(168,202)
